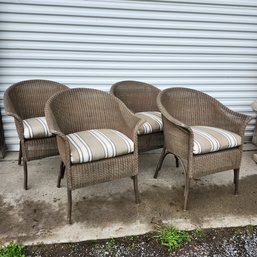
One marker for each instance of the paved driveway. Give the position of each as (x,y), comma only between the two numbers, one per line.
(108,210)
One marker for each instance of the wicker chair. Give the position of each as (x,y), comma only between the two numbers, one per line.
(194,126)
(254,139)
(26,100)
(141,97)
(80,111)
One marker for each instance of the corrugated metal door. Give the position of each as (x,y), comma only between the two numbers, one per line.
(207,45)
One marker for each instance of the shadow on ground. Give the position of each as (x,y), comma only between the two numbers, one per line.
(109,207)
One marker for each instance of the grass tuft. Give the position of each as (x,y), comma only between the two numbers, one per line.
(197,232)
(171,237)
(13,249)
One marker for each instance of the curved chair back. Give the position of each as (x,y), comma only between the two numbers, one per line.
(189,106)
(138,96)
(82,109)
(28,98)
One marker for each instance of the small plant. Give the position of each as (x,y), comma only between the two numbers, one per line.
(131,238)
(249,229)
(110,244)
(13,249)
(171,237)
(97,246)
(197,232)
(132,246)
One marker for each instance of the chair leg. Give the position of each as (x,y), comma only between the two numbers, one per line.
(61,174)
(236,180)
(161,159)
(135,183)
(177,161)
(69,205)
(25,168)
(186,191)
(20,155)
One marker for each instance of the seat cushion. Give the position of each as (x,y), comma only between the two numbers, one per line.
(97,144)
(36,128)
(210,139)
(153,122)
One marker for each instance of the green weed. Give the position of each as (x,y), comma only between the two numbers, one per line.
(171,237)
(197,232)
(109,245)
(13,249)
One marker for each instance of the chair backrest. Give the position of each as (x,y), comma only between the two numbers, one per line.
(137,96)
(189,106)
(82,109)
(29,97)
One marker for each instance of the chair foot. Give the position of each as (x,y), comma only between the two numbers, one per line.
(177,161)
(135,183)
(160,162)
(236,180)
(25,168)
(186,192)
(20,155)
(61,174)
(69,193)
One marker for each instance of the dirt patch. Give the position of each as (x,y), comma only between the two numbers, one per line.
(29,219)
(162,203)
(219,201)
(205,201)
(6,217)
(101,211)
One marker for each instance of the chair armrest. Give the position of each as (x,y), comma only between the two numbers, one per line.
(231,120)
(11,111)
(62,140)
(10,108)
(178,136)
(178,139)
(130,123)
(166,114)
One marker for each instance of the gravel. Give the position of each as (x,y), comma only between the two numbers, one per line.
(225,242)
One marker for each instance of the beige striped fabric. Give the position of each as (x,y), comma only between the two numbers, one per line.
(153,122)
(97,144)
(210,139)
(36,128)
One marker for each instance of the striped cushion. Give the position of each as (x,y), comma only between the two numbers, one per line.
(153,122)
(210,139)
(36,128)
(97,144)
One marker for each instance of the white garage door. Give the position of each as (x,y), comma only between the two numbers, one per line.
(209,45)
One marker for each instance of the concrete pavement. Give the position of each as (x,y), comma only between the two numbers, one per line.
(107,210)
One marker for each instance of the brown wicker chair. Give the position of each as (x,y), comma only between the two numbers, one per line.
(141,97)
(25,100)
(84,110)
(182,109)
(254,139)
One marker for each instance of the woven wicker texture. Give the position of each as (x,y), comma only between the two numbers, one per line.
(254,140)
(27,99)
(254,107)
(83,109)
(140,97)
(182,108)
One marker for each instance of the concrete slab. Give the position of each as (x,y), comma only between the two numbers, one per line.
(108,210)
